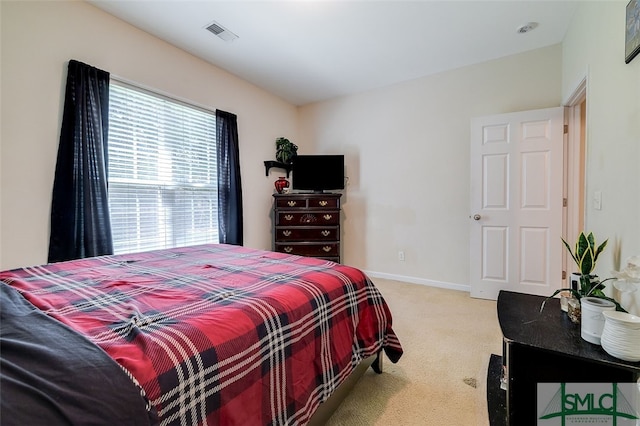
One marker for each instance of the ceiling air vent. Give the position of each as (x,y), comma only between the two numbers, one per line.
(221,31)
(529,26)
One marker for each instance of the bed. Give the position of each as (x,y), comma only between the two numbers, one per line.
(210,334)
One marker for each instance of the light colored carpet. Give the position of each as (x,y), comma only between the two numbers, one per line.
(447,338)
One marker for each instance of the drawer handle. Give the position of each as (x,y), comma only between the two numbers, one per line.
(288,249)
(326,249)
(286,233)
(308,218)
(323,203)
(292,203)
(327,216)
(325,233)
(288,216)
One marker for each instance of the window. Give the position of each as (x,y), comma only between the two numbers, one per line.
(163,189)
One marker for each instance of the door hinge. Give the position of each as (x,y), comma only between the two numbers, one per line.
(566,129)
(564,275)
(564,202)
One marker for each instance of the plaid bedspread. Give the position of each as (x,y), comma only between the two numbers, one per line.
(218,334)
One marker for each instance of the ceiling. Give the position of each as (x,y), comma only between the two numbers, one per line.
(306,51)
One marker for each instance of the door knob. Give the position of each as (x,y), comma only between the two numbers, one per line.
(477,217)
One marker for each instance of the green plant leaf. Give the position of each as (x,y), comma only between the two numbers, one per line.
(591,239)
(581,246)
(595,292)
(586,262)
(599,250)
(575,293)
(584,284)
(575,259)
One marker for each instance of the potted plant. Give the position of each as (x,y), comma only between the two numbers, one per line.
(585,255)
(286,150)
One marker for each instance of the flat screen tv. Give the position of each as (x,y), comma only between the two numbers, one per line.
(318,173)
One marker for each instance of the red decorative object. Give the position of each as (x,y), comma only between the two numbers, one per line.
(281,184)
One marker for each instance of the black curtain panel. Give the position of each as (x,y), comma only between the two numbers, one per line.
(80,225)
(229,185)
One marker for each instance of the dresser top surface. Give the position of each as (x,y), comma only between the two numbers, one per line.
(309,195)
(522,322)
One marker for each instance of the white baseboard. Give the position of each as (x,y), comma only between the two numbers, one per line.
(421,281)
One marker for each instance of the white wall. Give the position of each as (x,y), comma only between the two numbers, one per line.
(38,40)
(407,155)
(407,145)
(594,48)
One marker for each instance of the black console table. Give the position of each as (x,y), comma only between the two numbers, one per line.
(546,347)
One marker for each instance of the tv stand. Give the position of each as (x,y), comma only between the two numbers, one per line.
(307,224)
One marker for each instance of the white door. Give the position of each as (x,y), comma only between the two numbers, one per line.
(516,203)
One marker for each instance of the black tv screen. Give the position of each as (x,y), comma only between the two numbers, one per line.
(318,173)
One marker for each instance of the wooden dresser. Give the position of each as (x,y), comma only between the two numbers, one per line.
(307,224)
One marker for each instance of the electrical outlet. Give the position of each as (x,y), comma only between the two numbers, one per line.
(401,256)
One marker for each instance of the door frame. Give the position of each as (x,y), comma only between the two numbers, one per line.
(574,179)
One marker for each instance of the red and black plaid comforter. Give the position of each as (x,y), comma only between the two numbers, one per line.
(219,334)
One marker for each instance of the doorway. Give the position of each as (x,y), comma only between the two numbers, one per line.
(574,172)
(571,214)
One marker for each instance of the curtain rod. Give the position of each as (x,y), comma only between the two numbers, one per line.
(156,92)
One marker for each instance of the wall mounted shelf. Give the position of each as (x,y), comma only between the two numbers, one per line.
(276,164)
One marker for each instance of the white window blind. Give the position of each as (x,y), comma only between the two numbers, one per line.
(163,188)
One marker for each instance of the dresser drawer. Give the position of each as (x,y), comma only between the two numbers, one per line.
(316,202)
(324,203)
(329,249)
(285,218)
(307,233)
(291,203)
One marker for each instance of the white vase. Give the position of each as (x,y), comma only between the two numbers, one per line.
(621,335)
(592,321)
(574,280)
